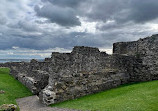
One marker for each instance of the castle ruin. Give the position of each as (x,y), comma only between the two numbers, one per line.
(86,70)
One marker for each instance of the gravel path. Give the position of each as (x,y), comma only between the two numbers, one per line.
(32,104)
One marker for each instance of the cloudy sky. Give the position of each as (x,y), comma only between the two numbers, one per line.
(35,28)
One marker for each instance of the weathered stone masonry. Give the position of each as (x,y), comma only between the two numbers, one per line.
(86,70)
(147,51)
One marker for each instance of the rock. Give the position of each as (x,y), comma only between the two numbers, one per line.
(8,107)
(47,97)
(2,92)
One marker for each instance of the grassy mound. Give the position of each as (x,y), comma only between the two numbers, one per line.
(10,88)
(131,97)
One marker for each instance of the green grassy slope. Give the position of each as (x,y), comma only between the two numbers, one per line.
(133,97)
(13,88)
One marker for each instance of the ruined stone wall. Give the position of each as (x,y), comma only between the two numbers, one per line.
(30,74)
(86,70)
(130,48)
(136,47)
(146,50)
(82,72)
(67,76)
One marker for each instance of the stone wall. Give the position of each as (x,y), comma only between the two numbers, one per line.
(147,51)
(86,70)
(83,72)
(30,74)
(136,47)
(130,48)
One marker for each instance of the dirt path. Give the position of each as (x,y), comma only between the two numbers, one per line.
(32,104)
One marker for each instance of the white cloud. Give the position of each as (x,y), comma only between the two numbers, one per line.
(108,51)
(14,47)
(86,26)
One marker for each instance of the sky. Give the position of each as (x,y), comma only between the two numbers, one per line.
(36,28)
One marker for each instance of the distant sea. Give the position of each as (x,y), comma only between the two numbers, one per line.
(17,60)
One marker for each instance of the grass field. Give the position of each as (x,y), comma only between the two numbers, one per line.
(13,88)
(132,97)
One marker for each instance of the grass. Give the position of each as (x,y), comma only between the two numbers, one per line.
(13,88)
(131,97)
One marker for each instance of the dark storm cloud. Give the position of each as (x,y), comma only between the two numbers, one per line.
(142,11)
(47,41)
(62,16)
(3,20)
(104,10)
(65,3)
(64,12)
(24,25)
(123,11)
(116,20)
(29,27)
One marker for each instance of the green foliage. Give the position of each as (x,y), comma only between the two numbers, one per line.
(130,97)
(138,55)
(153,38)
(13,88)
